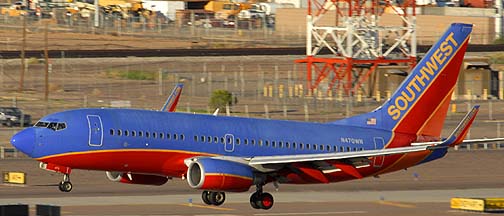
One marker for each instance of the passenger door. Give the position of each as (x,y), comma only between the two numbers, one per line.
(378,160)
(95,130)
(229,142)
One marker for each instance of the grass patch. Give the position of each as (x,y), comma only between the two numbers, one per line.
(499,40)
(132,75)
(497,58)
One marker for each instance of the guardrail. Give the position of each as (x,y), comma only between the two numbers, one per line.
(6,152)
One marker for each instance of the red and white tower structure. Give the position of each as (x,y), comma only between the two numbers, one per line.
(357,40)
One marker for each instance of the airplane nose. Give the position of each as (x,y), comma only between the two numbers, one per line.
(24,141)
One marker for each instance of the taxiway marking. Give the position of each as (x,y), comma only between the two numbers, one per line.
(205,206)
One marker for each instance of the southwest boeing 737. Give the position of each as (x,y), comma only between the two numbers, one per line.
(219,154)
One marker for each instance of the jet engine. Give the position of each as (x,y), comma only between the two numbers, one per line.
(133,178)
(219,175)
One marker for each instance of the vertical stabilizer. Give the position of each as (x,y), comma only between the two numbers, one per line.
(420,104)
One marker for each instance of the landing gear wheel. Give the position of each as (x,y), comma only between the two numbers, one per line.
(205,196)
(65,186)
(217,198)
(265,201)
(253,200)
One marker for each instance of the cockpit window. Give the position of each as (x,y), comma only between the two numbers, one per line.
(41,124)
(55,126)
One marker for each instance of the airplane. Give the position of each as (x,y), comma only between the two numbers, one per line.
(218,154)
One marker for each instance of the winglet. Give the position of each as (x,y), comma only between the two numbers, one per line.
(458,135)
(172,101)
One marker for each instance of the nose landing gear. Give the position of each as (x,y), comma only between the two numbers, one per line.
(65,185)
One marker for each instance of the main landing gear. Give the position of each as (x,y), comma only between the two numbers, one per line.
(213,197)
(65,185)
(260,199)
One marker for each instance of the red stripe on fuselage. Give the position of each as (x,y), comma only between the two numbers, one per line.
(168,163)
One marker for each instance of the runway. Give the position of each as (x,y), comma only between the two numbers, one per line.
(422,190)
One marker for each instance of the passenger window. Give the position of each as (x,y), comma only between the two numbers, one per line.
(133,133)
(126,133)
(260,142)
(294,145)
(335,148)
(280,144)
(301,146)
(209,139)
(175,136)
(307,146)
(253,141)
(161,135)
(147,134)
(215,139)
(112,132)
(119,132)
(140,133)
(222,140)
(168,136)
(237,141)
(342,149)
(245,141)
(267,143)
(229,140)
(202,138)
(322,148)
(273,144)
(195,138)
(349,149)
(154,134)
(314,146)
(182,137)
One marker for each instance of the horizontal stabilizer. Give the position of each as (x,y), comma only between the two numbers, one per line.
(460,132)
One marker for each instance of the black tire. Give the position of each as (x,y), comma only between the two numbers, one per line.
(205,196)
(217,198)
(265,201)
(253,200)
(65,186)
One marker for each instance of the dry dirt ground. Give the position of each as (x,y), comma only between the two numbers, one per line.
(11,39)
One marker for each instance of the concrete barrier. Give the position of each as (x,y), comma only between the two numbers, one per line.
(14,177)
(478,204)
(14,210)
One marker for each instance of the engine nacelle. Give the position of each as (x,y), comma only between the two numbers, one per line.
(220,175)
(132,178)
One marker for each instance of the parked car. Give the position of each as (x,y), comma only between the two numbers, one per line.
(13,116)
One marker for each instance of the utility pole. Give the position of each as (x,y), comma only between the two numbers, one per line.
(46,55)
(23,47)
